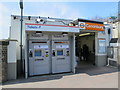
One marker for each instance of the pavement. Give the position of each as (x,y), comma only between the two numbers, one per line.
(89,77)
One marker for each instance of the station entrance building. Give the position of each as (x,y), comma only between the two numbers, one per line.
(51,45)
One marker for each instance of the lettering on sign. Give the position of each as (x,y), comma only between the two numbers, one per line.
(91,26)
(62,46)
(33,26)
(40,46)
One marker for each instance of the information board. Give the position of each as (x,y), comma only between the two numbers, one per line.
(102,46)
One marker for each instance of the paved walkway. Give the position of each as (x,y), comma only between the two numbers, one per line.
(94,77)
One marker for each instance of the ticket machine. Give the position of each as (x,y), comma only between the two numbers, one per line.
(39,57)
(49,55)
(60,54)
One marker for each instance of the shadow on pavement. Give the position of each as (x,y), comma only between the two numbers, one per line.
(37,79)
(91,69)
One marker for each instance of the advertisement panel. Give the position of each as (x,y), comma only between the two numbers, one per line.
(102,45)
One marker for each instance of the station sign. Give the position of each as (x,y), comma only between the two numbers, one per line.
(52,28)
(31,27)
(91,26)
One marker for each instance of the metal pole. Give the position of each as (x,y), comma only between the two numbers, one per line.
(21,37)
(21,7)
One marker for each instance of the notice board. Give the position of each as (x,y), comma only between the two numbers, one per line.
(101,46)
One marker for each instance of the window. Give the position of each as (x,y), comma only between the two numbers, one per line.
(38,53)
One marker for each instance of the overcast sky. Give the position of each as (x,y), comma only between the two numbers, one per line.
(69,10)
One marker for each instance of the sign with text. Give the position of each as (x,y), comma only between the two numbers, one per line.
(48,27)
(31,27)
(91,26)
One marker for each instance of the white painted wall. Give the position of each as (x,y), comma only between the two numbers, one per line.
(12,52)
(15,30)
(115,30)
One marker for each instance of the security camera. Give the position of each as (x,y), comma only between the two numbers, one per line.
(39,20)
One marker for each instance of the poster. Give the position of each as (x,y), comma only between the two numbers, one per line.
(102,46)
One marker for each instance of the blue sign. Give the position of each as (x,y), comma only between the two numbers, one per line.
(33,26)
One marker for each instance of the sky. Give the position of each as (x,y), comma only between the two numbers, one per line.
(67,10)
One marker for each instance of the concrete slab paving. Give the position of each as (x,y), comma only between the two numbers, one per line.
(107,78)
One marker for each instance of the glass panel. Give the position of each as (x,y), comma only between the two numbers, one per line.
(59,52)
(38,53)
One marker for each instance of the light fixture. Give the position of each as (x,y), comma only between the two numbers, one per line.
(38,32)
(21,4)
(14,17)
(64,33)
(84,34)
(29,17)
(39,20)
